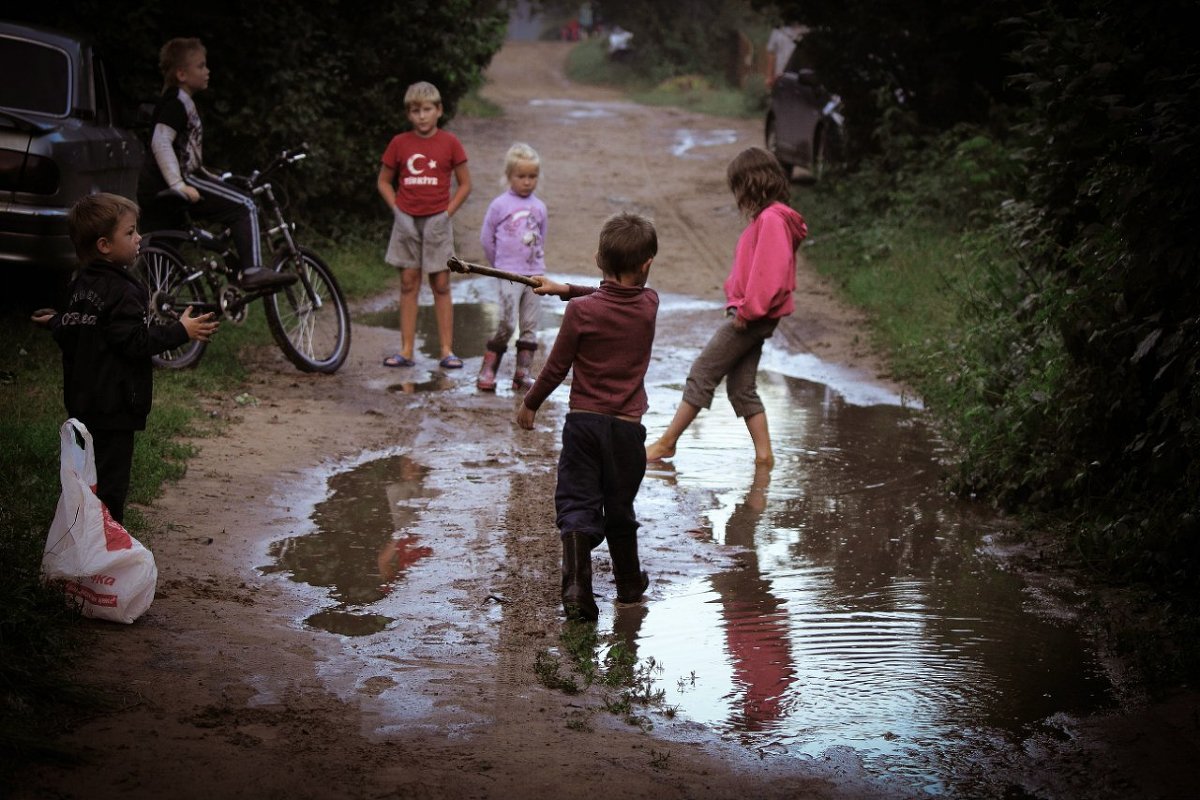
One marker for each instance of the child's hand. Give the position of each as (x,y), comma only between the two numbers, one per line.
(43,316)
(525,416)
(547,286)
(189,193)
(198,328)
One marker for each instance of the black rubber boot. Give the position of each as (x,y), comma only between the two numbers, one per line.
(578,601)
(631,581)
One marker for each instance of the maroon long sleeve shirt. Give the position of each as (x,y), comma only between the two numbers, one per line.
(605,340)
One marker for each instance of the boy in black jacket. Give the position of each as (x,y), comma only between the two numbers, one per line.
(107,342)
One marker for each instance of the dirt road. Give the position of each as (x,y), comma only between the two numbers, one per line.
(226,692)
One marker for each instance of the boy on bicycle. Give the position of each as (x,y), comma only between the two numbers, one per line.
(176,165)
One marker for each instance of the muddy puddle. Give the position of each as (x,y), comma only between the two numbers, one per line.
(850,605)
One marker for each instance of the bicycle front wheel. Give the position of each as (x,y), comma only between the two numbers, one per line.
(166,278)
(309,319)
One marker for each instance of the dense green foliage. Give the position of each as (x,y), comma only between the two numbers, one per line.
(1104,399)
(1070,384)
(330,73)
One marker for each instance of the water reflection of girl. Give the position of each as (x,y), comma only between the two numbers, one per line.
(396,556)
(756,629)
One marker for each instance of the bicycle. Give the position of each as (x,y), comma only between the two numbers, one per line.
(309,319)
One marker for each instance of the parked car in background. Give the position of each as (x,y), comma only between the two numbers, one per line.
(59,141)
(804,125)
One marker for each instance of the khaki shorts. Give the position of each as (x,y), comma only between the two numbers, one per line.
(420,242)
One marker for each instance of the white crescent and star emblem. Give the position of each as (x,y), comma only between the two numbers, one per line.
(413,160)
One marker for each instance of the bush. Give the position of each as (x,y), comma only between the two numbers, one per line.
(329,74)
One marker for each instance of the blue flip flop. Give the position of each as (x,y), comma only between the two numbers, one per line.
(451,362)
(399,360)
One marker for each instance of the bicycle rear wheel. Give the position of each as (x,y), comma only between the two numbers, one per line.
(309,319)
(166,278)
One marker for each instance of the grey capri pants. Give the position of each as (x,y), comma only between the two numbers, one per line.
(733,355)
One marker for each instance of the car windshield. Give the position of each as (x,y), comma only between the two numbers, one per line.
(46,84)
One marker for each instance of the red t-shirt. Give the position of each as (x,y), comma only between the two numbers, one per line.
(423,168)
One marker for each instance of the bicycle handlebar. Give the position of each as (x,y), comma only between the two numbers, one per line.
(257,178)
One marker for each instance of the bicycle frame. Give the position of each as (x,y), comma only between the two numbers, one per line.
(308,319)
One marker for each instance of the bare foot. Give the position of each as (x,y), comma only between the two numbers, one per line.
(658,451)
(767,461)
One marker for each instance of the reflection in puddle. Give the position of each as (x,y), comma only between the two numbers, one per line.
(687,139)
(363,543)
(859,612)
(438,382)
(469,320)
(583,109)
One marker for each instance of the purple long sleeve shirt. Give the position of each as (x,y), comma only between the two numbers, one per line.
(513,234)
(605,341)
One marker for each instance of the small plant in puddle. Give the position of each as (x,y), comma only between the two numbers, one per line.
(618,704)
(580,641)
(660,759)
(642,686)
(549,672)
(634,683)
(619,665)
(580,721)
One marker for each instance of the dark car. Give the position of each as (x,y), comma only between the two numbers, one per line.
(59,141)
(804,123)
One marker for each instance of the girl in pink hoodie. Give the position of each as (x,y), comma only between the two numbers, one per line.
(758,293)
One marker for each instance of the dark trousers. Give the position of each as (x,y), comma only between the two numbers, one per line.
(114,461)
(600,470)
(219,202)
(229,206)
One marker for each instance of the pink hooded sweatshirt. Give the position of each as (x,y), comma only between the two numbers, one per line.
(763,277)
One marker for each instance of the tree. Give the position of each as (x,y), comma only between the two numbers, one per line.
(331,73)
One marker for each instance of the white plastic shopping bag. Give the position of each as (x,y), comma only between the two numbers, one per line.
(104,570)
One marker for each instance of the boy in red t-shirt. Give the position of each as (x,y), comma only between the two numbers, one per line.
(415,182)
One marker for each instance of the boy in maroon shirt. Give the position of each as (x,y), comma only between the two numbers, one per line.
(605,340)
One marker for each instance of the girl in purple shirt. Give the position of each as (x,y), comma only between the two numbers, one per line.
(513,236)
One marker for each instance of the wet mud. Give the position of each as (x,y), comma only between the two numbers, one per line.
(358,574)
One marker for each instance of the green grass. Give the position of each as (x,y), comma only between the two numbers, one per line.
(40,641)
(910,274)
(588,63)
(474,105)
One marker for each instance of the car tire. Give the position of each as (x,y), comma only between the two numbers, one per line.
(827,150)
(773,146)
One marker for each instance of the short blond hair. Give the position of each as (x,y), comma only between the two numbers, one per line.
(518,153)
(421,92)
(96,217)
(173,57)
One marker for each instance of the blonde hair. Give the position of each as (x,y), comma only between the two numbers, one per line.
(96,217)
(757,180)
(627,241)
(173,56)
(421,92)
(518,153)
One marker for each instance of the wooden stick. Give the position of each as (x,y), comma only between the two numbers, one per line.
(456,264)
